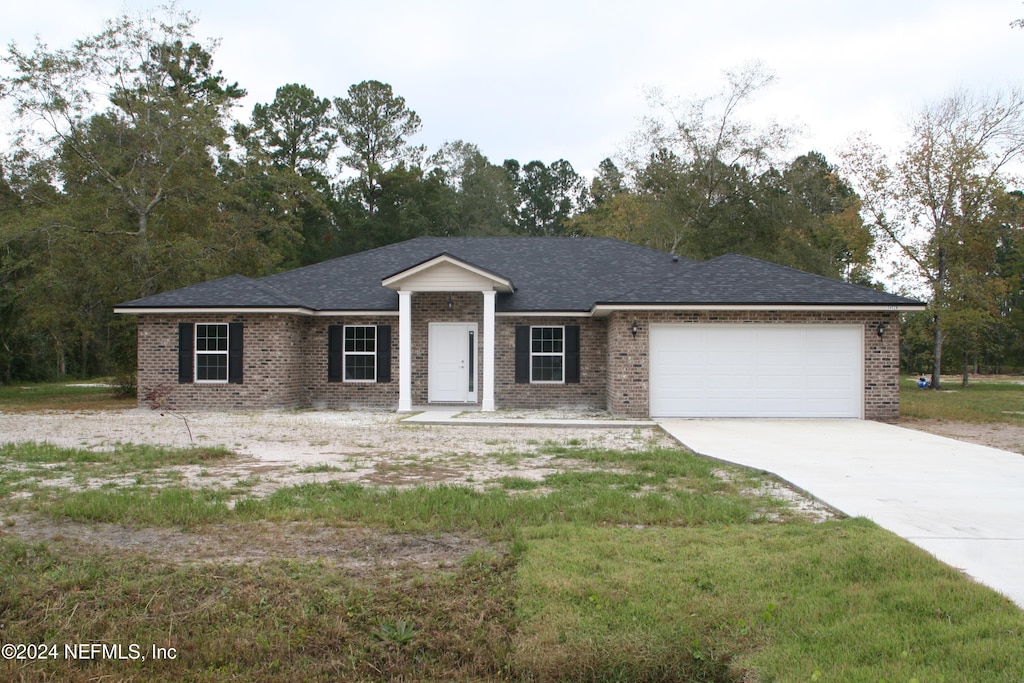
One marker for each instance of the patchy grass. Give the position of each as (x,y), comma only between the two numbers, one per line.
(984,400)
(322,467)
(99,485)
(123,458)
(93,395)
(277,621)
(638,566)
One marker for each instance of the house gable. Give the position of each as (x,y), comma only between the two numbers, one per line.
(445,273)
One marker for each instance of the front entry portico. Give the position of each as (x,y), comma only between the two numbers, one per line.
(452,346)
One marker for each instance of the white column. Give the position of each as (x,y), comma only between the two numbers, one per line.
(404,352)
(487,404)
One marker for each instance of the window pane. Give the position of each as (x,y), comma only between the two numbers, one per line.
(546,339)
(547,369)
(360,367)
(360,339)
(211,367)
(212,337)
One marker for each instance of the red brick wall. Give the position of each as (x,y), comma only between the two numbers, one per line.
(591,392)
(272,375)
(319,393)
(629,370)
(285,359)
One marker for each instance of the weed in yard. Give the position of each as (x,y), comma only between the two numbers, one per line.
(507,457)
(319,468)
(171,506)
(401,632)
(518,483)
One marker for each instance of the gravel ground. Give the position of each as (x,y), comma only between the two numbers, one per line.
(279,449)
(282,447)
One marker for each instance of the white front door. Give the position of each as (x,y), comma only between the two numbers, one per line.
(452,363)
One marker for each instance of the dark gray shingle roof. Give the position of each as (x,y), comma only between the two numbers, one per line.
(233,290)
(550,274)
(735,279)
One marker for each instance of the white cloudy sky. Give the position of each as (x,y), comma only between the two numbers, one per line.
(550,79)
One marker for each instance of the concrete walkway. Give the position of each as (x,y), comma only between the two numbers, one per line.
(447,416)
(961,502)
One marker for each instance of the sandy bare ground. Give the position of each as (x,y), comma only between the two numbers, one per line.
(1008,437)
(293,447)
(279,449)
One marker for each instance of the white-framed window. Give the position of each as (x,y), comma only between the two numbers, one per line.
(360,353)
(212,352)
(547,355)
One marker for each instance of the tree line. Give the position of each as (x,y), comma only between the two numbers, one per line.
(130,173)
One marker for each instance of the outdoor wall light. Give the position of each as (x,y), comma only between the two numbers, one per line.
(881,329)
(451,304)
(634,329)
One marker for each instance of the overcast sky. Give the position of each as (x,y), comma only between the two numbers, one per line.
(551,79)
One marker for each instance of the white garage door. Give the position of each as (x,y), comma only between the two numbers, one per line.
(756,370)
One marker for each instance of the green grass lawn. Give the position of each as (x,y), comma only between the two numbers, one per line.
(630,567)
(91,395)
(983,400)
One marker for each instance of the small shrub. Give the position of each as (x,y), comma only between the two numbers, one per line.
(126,385)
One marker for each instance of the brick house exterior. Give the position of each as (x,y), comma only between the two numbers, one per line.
(508,323)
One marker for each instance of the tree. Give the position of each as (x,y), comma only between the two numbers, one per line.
(485,198)
(374,124)
(617,211)
(296,131)
(283,173)
(547,196)
(936,204)
(119,144)
(166,108)
(826,225)
(700,158)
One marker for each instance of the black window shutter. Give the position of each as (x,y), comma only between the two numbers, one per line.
(235,343)
(335,361)
(186,351)
(383,353)
(572,354)
(522,354)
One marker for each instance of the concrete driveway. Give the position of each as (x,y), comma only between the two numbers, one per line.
(961,502)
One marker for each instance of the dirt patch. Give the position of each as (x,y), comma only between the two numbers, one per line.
(1007,437)
(356,550)
(281,449)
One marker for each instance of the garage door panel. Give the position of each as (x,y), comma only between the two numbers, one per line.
(781,384)
(722,407)
(756,370)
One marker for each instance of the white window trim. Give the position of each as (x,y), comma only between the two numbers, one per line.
(196,353)
(560,354)
(345,353)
